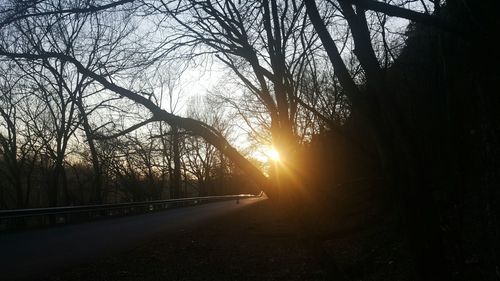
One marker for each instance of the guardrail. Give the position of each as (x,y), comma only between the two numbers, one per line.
(26,218)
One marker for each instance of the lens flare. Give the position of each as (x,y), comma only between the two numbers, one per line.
(273,154)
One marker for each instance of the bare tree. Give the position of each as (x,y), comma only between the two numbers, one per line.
(391,129)
(203,161)
(263,43)
(14,158)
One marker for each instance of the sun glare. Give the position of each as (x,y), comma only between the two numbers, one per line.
(273,154)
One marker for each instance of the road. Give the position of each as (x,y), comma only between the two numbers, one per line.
(25,255)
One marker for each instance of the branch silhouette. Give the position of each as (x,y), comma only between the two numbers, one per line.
(210,134)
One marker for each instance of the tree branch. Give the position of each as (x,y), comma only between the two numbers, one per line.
(88,9)
(126,131)
(396,11)
(345,78)
(210,134)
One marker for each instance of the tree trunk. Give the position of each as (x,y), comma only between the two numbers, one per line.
(53,187)
(96,196)
(222,168)
(176,184)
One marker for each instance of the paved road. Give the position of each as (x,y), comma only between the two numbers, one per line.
(34,253)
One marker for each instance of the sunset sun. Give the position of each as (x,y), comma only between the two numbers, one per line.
(273,154)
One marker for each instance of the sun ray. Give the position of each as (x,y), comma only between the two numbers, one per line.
(273,154)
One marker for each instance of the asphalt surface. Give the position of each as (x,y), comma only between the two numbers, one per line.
(25,255)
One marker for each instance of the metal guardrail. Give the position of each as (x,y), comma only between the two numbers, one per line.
(26,218)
